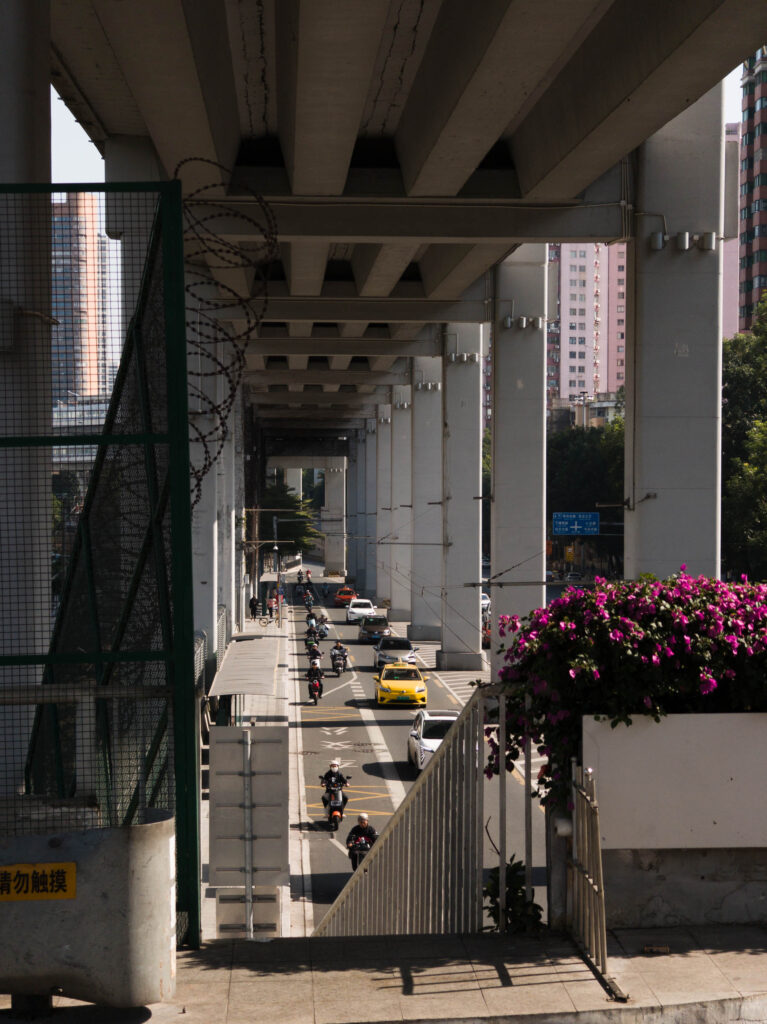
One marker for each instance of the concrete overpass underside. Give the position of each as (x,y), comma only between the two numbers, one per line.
(403,147)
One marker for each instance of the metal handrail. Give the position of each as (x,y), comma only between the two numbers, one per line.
(587,921)
(424,875)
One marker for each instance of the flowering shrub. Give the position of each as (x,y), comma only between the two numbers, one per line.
(651,647)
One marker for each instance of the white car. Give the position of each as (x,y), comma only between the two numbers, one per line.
(484,602)
(358,608)
(429,729)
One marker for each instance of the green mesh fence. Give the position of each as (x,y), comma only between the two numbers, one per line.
(97,653)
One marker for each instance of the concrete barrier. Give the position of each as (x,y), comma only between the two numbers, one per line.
(90,915)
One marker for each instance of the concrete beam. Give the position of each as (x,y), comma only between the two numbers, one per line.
(304,263)
(418,221)
(447,270)
(310,462)
(328,377)
(655,59)
(326,52)
(307,414)
(344,347)
(481,63)
(378,268)
(179,50)
(342,426)
(349,399)
(330,309)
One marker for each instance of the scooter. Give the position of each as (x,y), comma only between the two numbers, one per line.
(338,661)
(322,631)
(359,850)
(314,688)
(335,805)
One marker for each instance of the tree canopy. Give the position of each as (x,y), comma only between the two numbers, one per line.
(744,448)
(295,529)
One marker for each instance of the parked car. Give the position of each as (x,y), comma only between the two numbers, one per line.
(484,601)
(574,576)
(343,596)
(373,628)
(429,729)
(400,683)
(358,608)
(393,648)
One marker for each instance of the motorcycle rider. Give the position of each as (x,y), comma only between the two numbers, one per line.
(362,830)
(334,777)
(315,672)
(300,576)
(339,649)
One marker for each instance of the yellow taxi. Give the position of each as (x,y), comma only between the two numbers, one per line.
(400,683)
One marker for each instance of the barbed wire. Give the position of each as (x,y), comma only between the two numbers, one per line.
(216,348)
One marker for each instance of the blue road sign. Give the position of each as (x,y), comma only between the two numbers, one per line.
(574,524)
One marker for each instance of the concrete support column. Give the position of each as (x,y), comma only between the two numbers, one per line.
(674,352)
(426,478)
(351,509)
(461,488)
(518,505)
(361,531)
(371,549)
(294,480)
(25,362)
(383,505)
(334,519)
(401,549)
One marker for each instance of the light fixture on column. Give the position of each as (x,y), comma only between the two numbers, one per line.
(658,240)
(683,240)
(508,321)
(707,241)
(522,322)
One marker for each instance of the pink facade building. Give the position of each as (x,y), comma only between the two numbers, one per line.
(592,321)
(753,187)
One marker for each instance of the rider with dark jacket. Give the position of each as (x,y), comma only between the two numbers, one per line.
(315,672)
(361,831)
(334,777)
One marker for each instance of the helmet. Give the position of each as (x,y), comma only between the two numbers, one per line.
(362,816)
(334,764)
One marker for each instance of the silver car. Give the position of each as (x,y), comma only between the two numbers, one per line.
(429,729)
(393,648)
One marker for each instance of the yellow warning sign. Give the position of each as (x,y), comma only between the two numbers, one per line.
(38,881)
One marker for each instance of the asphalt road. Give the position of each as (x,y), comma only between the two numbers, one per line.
(370,743)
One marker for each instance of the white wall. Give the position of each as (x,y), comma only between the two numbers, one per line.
(688,781)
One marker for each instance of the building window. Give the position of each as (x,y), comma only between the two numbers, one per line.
(581,355)
(621,323)
(621,334)
(620,362)
(621,348)
(619,376)
(621,267)
(621,309)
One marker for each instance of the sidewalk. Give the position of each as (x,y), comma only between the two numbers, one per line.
(709,975)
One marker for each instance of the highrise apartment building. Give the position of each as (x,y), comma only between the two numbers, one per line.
(84,347)
(586,346)
(753,187)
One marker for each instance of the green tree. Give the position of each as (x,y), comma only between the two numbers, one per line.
(295,528)
(585,468)
(744,482)
(744,387)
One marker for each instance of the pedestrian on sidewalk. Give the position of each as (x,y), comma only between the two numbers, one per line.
(270,606)
(253,605)
(325,590)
